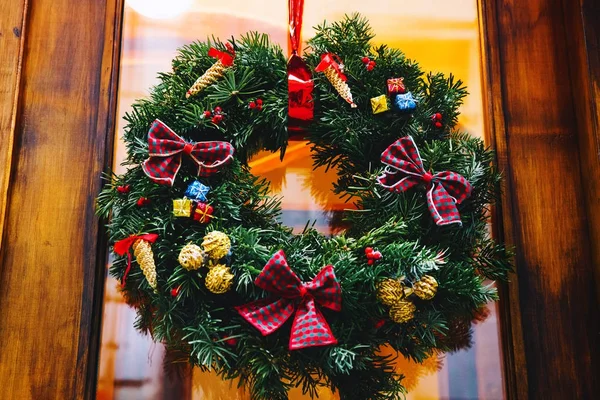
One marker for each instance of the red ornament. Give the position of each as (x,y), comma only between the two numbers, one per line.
(438,124)
(203,213)
(143,201)
(396,86)
(218,110)
(252,105)
(300,96)
(365,60)
(124,189)
(207,114)
(175,291)
(217,119)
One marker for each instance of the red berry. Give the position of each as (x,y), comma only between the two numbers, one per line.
(259,107)
(438,124)
(252,105)
(377,255)
(379,323)
(368,250)
(143,201)
(207,114)
(370,261)
(217,118)
(365,60)
(123,189)
(370,67)
(175,291)
(231,341)
(438,116)
(259,102)
(218,110)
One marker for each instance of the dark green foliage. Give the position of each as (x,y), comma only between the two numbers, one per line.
(197,326)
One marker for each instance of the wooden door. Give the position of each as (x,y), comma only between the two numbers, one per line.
(57,101)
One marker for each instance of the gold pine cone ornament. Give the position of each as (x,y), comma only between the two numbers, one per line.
(216,245)
(191,257)
(219,279)
(333,69)
(403,311)
(390,292)
(145,258)
(426,287)
(215,72)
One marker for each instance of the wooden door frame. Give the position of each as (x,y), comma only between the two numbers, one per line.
(544,308)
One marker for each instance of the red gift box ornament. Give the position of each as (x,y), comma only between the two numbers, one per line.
(203,213)
(404,170)
(291,296)
(396,86)
(166,149)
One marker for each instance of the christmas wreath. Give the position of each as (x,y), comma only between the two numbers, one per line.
(214,275)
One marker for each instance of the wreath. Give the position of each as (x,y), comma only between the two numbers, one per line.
(215,276)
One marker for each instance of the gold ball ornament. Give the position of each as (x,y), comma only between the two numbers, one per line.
(216,244)
(390,292)
(191,257)
(426,287)
(145,258)
(219,279)
(402,312)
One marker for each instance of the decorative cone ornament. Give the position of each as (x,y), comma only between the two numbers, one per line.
(333,71)
(145,258)
(216,71)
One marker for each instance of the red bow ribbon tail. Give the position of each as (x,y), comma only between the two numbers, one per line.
(165,149)
(122,246)
(404,170)
(309,327)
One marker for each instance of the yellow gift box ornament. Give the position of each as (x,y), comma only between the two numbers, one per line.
(379,104)
(182,207)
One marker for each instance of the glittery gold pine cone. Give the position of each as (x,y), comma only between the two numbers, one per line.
(191,257)
(339,85)
(402,312)
(216,244)
(213,74)
(219,279)
(426,287)
(145,258)
(390,292)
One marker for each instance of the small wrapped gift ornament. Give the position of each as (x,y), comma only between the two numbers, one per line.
(197,191)
(379,104)
(396,86)
(203,213)
(405,103)
(182,207)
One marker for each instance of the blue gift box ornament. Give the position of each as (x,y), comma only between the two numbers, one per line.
(405,102)
(197,191)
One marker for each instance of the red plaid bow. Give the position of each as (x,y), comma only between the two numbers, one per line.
(309,327)
(405,170)
(165,149)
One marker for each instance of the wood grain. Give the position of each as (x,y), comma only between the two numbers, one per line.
(12,29)
(52,260)
(584,55)
(552,299)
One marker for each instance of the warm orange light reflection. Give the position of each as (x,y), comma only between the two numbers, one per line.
(441,34)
